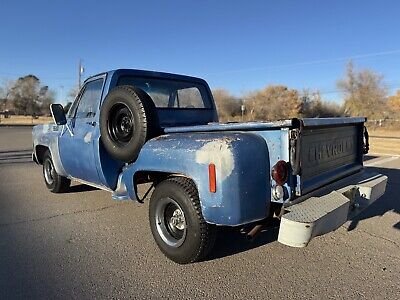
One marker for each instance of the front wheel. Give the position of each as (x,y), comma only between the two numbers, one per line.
(54,182)
(177,223)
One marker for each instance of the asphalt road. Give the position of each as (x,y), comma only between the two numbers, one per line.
(84,245)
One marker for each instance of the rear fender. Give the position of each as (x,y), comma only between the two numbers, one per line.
(242,163)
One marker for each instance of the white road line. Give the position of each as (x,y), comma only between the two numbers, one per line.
(381,161)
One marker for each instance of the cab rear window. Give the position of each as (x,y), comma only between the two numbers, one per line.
(167,93)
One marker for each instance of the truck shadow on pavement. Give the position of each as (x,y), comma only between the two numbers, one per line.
(388,202)
(230,240)
(79,188)
(369,157)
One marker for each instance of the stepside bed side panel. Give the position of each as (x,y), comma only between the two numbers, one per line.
(242,171)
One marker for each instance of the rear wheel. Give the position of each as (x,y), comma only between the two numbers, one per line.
(177,223)
(54,182)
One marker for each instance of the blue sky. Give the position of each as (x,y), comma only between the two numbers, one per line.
(237,45)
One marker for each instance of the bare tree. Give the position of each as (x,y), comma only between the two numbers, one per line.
(364,93)
(45,98)
(394,104)
(314,107)
(29,97)
(3,98)
(5,104)
(275,102)
(228,106)
(73,92)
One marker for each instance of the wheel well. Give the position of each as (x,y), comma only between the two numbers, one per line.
(149,176)
(39,153)
(154,177)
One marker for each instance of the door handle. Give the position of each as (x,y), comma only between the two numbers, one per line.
(91,123)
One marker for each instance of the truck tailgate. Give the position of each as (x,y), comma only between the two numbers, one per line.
(328,149)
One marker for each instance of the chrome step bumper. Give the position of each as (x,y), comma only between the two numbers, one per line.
(319,215)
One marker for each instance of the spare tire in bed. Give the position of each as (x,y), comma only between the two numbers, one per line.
(128,118)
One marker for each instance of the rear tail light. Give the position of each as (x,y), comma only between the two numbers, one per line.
(212,178)
(280,172)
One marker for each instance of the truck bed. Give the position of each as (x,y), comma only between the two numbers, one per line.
(321,150)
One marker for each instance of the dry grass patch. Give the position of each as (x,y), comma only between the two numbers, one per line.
(24,120)
(385,141)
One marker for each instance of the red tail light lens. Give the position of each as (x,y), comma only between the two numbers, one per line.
(280,172)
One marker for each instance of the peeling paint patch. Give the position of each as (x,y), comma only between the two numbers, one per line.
(218,153)
(88,137)
(207,138)
(45,128)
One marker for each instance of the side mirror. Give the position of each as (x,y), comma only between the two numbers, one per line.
(57,111)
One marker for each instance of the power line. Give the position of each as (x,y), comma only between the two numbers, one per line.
(313,62)
(390,86)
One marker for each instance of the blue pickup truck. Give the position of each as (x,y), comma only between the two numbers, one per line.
(128,127)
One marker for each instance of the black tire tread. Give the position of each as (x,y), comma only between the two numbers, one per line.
(207,231)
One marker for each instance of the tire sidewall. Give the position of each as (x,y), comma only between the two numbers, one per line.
(189,249)
(47,159)
(60,183)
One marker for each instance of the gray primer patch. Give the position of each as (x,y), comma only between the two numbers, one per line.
(88,137)
(218,153)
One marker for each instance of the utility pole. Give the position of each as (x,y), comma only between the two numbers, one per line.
(80,71)
(62,94)
(243,108)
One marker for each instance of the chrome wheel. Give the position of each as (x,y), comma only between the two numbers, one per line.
(170,222)
(49,172)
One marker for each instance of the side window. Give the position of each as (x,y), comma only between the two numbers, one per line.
(89,100)
(189,98)
(72,109)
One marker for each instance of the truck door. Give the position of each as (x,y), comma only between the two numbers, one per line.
(77,151)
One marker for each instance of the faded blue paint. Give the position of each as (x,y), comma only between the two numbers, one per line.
(276,135)
(243,193)
(242,152)
(278,149)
